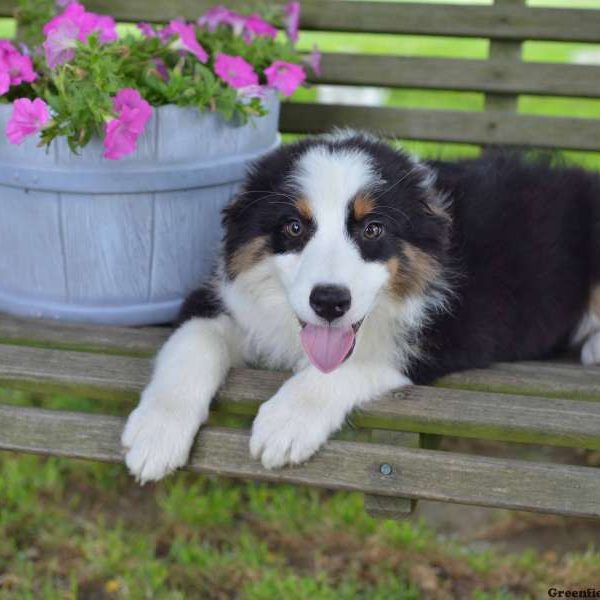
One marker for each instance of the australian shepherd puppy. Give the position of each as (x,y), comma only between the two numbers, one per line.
(362,270)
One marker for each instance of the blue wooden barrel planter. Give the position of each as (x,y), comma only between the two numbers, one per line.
(120,242)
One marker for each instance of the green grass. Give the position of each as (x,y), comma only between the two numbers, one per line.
(70,529)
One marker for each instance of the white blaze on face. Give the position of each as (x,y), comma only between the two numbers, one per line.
(328,181)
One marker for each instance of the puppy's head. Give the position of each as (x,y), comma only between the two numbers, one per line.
(344,220)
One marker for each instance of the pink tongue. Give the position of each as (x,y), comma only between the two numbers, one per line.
(326,347)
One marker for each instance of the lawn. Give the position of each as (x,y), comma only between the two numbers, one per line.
(71,529)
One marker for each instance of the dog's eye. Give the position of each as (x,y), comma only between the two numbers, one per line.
(372,231)
(293,228)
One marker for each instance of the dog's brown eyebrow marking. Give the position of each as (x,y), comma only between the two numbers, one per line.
(303,207)
(363,206)
(245,257)
(413,274)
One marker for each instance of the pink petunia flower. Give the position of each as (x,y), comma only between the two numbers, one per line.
(60,44)
(130,98)
(235,71)
(285,77)
(121,134)
(186,39)
(20,69)
(4,83)
(102,24)
(219,15)
(161,68)
(252,91)
(6,47)
(256,26)
(291,13)
(313,60)
(87,23)
(16,66)
(73,24)
(73,13)
(147,30)
(28,117)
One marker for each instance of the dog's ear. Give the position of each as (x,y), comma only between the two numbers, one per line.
(234,211)
(435,201)
(228,214)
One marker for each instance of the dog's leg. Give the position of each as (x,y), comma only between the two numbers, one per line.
(590,351)
(587,334)
(310,406)
(189,369)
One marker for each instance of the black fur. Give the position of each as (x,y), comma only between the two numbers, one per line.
(266,203)
(203,302)
(521,246)
(525,241)
(403,206)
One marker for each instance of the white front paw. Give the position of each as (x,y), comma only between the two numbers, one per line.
(287,431)
(157,441)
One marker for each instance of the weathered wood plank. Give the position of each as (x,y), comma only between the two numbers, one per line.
(435,410)
(84,338)
(554,379)
(490,127)
(557,379)
(501,22)
(391,507)
(427,474)
(504,52)
(496,75)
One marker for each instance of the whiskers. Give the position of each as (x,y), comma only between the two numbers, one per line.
(264,196)
(400,180)
(389,217)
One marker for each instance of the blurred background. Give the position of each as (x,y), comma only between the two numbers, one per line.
(71,529)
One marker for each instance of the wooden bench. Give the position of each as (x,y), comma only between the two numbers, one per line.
(385,453)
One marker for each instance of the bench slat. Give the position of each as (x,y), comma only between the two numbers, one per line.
(501,22)
(419,409)
(487,128)
(130,341)
(545,79)
(504,52)
(558,379)
(355,466)
(567,380)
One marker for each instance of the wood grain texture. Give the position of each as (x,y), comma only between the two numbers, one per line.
(553,379)
(557,379)
(187,234)
(500,22)
(389,507)
(29,218)
(495,75)
(504,52)
(490,127)
(427,474)
(435,410)
(111,268)
(91,338)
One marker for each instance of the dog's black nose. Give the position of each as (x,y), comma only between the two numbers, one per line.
(330,301)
